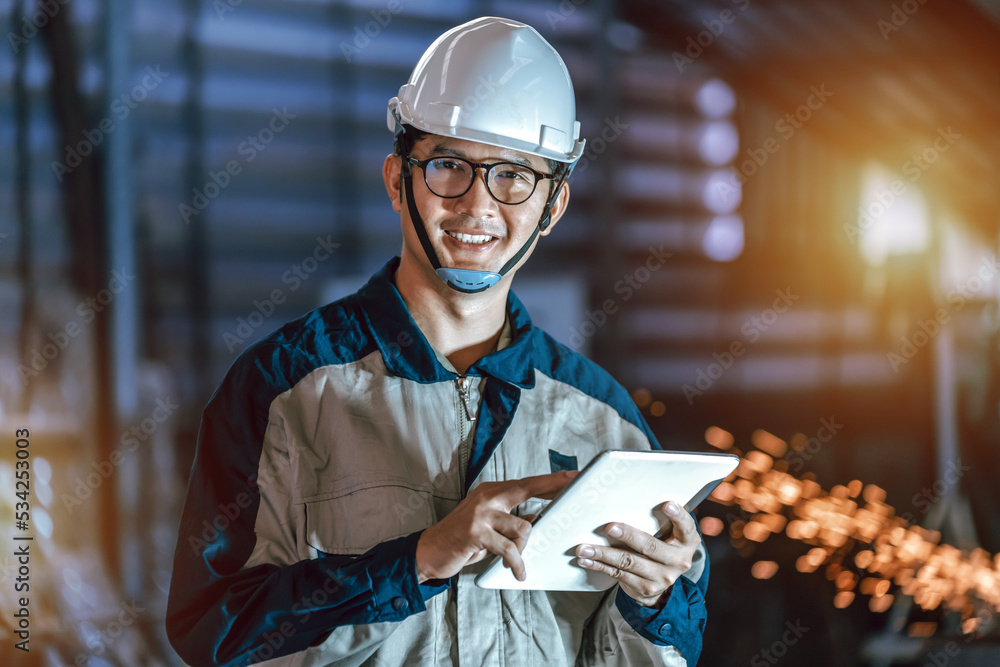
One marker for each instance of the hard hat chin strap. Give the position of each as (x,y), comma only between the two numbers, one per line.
(468,281)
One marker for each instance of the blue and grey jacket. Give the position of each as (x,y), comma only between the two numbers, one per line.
(332,443)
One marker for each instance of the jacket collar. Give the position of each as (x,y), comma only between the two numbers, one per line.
(408,354)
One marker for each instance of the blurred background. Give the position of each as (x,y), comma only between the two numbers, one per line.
(782,241)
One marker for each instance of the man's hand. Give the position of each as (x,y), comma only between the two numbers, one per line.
(481,524)
(652,566)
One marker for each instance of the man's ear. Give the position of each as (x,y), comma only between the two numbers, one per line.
(558,208)
(393,182)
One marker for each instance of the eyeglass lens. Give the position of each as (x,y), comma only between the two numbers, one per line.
(451,177)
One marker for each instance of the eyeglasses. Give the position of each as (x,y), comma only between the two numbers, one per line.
(507,182)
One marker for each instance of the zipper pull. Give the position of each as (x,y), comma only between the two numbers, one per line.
(463,391)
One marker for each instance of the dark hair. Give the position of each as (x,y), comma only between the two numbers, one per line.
(413,135)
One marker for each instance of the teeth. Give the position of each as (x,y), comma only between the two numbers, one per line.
(469,238)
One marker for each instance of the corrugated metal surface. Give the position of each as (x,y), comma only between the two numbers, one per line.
(266,119)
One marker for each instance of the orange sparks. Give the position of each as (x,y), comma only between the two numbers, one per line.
(719,438)
(764,569)
(771,444)
(890,550)
(711,525)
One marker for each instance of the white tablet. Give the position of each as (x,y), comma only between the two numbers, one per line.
(625,486)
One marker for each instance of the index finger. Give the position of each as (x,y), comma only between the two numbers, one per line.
(684,529)
(516,491)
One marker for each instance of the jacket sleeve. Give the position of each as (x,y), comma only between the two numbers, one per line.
(622,632)
(240,592)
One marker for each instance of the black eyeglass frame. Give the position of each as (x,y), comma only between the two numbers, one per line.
(486,167)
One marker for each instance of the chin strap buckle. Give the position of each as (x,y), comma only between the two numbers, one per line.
(468,280)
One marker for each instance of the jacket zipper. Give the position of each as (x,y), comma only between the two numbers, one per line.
(463,398)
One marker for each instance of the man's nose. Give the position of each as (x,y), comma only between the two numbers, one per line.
(477,201)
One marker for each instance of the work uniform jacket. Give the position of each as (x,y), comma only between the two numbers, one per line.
(332,443)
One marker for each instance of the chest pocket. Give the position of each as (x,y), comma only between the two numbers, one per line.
(351,521)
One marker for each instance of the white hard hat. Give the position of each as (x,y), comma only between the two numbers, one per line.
(495,81)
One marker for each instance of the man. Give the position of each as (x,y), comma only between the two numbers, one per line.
(356,468)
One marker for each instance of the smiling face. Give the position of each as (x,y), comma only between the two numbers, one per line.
(473,231)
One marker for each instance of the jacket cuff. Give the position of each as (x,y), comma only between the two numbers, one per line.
(393,572)
(679,623)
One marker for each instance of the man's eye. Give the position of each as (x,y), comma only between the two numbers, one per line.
(513,174)
(447,164)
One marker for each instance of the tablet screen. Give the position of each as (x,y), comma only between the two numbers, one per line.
(625,486)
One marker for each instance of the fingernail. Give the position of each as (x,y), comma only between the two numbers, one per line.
(615,531)
(672,509)
(586,562)
(587,552)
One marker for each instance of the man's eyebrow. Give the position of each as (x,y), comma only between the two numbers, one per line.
(441,149)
